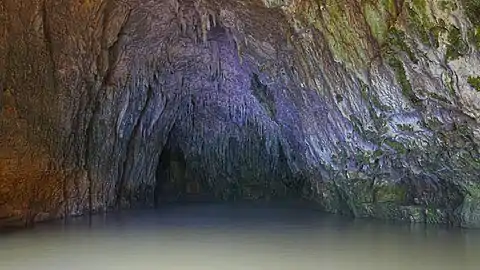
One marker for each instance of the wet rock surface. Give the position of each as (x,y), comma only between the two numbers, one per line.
(367,108)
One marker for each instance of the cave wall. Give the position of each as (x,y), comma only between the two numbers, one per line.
(369,108)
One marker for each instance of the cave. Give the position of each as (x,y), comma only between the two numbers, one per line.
(187,134)
(361,109)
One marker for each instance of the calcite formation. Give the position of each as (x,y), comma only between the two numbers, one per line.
(366,108)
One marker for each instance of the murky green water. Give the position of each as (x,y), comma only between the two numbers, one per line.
(229,237)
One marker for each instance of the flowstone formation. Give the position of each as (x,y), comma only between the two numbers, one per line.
(368,108)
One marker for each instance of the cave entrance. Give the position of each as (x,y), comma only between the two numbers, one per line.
(174,182)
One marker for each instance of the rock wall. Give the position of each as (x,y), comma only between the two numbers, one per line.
(369,108)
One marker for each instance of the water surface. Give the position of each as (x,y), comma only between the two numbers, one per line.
(241,236)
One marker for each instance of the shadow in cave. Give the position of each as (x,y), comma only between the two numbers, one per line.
(173,181)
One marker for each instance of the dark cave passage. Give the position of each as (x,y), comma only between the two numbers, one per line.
(248,175)
(174,181)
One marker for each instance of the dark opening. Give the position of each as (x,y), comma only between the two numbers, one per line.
(170,176)
(174,182)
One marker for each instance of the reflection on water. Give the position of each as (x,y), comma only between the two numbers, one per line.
(230,237)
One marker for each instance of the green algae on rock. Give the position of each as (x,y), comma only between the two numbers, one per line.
(474,82)
(470,210)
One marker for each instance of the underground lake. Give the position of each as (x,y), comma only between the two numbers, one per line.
(237,236)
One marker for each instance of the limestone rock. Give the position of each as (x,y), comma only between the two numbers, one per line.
(368,108)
